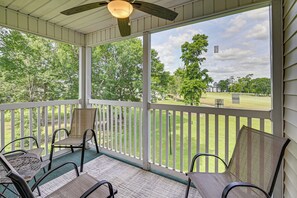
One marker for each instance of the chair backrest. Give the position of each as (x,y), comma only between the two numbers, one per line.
(82,119)
(257,157)
(19,183)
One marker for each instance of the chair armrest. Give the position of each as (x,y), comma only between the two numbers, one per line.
(52,170)
(232,185)
(86,132)
(14,152)
(97,185)
(58,130)
(19,139)
(205,154)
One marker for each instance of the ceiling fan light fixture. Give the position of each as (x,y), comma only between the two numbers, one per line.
(120,9)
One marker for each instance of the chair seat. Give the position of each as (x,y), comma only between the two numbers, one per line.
(75,141)
(78,186)
(217,182)
(36,151)
(44,163)
(27,169)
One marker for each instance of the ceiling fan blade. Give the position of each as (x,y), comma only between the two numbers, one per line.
(83,8)
(155,10)
(124,27)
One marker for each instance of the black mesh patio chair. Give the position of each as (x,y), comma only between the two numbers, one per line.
(12,154)
(81,131)
(251,172)
(36,149)
(81,186)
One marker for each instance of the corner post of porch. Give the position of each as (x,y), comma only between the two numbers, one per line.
(277,82)
(85,84)
(146,99)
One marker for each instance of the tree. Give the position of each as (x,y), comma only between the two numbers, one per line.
(242,85)
(261,86)
(195,80)
(175,83)
(224,85)
(31,68)
(159,77)
(116,71)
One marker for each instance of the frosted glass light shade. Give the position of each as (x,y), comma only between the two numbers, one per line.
(120,9)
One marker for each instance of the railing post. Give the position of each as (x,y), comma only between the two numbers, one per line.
(85,85)
(146,99)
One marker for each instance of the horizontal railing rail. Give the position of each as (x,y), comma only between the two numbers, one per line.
(213,110)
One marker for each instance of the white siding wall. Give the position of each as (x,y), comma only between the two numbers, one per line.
(290,95)
(26,23)
(187,13)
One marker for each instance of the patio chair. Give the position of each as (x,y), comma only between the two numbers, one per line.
(13,154)
(251,172)
(81,186)
(81,131)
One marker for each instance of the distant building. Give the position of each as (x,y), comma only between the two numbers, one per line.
(213,88)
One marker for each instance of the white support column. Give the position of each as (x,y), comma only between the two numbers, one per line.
(146,99)
(85,56)
(88,75)
(277,81)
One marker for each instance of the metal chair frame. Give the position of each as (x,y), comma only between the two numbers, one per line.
(26,192)
(236,184)
(20,152)
(82,145)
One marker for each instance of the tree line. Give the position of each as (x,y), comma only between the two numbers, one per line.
(246,84)
(38,69)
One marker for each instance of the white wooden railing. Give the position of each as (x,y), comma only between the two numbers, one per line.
(176,132)
(38,119)
(120,126)
(190,130)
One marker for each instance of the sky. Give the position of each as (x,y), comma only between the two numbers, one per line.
(243,40)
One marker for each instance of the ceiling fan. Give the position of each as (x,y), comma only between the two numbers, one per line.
(122,9)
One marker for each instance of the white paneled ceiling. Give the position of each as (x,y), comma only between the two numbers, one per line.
(85,22)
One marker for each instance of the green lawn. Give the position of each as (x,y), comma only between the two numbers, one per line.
(247,101)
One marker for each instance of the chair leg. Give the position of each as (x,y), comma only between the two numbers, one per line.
(51,157)
(38,190)
(95,140)
(71,147)
(188,188)
(82,157)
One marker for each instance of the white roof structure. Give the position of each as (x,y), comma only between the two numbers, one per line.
(96,26)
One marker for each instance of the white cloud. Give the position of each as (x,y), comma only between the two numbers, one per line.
(255,61)
(258,14)
(243,49)
(166,50)
(259,32)
(181,38)
(232,54)
(235,25)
